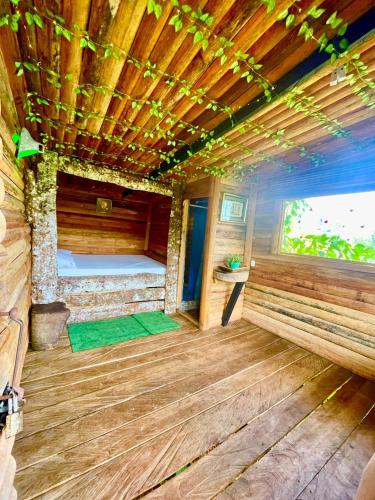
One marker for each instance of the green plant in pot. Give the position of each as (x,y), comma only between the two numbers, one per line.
(234,261)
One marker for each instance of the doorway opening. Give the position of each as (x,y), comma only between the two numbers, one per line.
(195,230)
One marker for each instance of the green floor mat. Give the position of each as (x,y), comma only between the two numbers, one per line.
(93,334)
(156,322)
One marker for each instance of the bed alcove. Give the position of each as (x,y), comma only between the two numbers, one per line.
(110,264)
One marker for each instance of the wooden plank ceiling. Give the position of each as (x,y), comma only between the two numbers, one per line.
(123,131)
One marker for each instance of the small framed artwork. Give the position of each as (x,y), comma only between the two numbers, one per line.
(103,206)
(233,209)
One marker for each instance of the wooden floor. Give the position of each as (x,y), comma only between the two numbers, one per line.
(233,412)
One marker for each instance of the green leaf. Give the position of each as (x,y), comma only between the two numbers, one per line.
(91,45)
(303,28)
(271,4)
(29,18)
(204,44)
(38,21)
(186,8)
(198,37)
(315,12)
(4,21)
(282,15)
(150,6)
(342,30)
(154,7)
(290,20)
(83,43)
(176,21)
(334,21)
(344,44)
(223,59)
(158,10)
(323,40)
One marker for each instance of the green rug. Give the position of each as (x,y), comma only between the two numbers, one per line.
(92,334)
(156,322)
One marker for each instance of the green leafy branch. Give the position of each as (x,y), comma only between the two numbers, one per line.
(296,99)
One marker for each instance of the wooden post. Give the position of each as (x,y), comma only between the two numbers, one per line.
(208,259)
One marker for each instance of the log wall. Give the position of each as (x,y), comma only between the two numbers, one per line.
(14,263)
(325,306)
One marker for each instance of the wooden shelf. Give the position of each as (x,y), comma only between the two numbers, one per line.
(240,277)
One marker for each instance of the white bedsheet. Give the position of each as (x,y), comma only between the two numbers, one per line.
(110,265)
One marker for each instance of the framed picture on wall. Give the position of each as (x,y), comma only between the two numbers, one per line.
(233,209)
(103,206)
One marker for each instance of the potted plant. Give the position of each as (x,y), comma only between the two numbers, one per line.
(234,261)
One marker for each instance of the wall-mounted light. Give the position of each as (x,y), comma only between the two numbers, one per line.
(338,75)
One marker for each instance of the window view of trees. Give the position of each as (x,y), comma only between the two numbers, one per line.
(335,227)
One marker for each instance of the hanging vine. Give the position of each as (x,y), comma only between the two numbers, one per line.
(199,24)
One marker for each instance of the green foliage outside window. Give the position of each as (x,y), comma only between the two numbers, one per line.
(331,246)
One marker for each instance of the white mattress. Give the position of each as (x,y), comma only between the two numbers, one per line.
(109,265)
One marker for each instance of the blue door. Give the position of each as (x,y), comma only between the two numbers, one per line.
(197,220)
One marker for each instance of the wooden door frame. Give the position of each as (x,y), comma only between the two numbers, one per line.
(181,263)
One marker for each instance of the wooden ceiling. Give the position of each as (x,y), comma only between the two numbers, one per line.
(127,25)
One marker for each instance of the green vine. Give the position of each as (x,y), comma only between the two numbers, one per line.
(200,25)
(296,99)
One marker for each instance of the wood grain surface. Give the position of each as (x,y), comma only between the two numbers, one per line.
(212,404)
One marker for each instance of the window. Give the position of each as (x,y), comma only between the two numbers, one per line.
(335,227)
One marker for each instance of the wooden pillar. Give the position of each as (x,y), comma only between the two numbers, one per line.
(174,239)
(41,198)
(209,251)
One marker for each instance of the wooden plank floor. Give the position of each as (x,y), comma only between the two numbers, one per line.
(233,412)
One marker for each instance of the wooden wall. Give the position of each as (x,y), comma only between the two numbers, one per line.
(325,306)
(156,245)
(222,240)
(139,221)
(14,264)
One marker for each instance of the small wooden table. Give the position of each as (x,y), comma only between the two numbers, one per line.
(239,279)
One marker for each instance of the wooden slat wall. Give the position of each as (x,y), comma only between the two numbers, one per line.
(325,306)
(226,239)
(14,263)
(82,230)
(159,226)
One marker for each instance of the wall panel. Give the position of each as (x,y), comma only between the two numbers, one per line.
(223,240)
(325,306)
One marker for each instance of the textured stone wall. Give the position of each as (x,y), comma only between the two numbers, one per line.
(41,200)
(174,240)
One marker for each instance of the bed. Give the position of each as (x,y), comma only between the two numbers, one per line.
(106,286)
(103,265)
